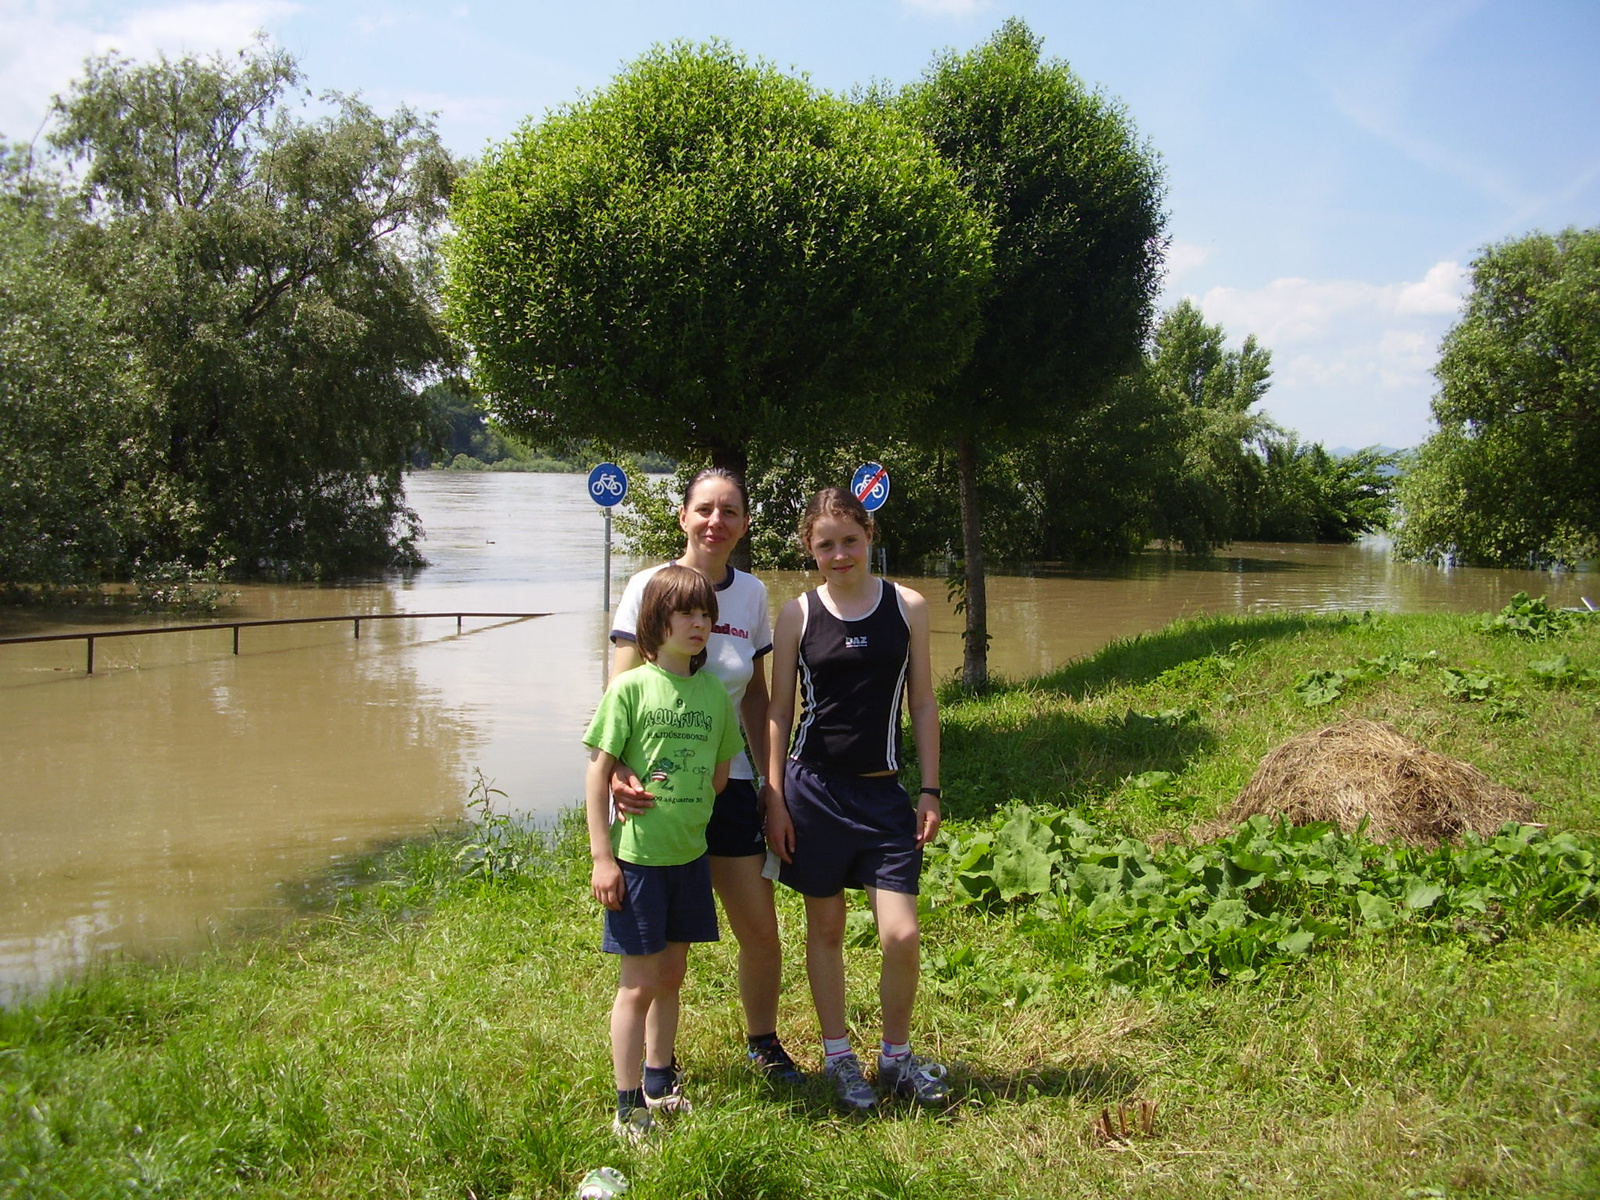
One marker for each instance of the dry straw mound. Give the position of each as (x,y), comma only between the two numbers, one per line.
(1366,769)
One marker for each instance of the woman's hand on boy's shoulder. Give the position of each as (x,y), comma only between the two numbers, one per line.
(628,793)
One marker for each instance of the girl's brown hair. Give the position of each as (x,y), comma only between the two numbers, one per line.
(672,589)
(833,502)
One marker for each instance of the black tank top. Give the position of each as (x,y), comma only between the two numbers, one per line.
(852,682)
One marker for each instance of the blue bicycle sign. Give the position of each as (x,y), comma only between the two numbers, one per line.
(871,485)
(608,484)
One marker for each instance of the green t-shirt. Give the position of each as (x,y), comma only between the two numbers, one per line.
(673,731)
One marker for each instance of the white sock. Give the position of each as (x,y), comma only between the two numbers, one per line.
(894,1052)
(833,1048)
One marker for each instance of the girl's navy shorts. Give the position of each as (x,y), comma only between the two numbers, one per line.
(662,904)
(849,831)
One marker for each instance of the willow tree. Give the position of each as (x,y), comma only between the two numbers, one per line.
(706,253)
(1075,202)
(272,275)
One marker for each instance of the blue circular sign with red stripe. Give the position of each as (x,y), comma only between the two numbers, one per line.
(871,485)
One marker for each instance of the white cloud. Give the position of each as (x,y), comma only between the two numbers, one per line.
(1183,257)
(42,49)
(1352,361)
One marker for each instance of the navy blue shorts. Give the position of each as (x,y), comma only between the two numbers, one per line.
(849,831)
(662,904)
(735,827)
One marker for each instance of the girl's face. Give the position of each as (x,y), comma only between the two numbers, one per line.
(687,632)
(840,545)
(713,517)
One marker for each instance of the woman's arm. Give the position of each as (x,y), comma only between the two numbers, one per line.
(780,722)
(605,880)
(627,790)
(753,714)
(924,709)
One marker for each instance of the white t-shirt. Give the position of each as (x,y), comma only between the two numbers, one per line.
(742,634)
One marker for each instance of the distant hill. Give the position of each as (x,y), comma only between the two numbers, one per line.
(1347,451)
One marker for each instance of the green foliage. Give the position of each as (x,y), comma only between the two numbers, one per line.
(1305,494)
(1531,619)
(263,282)
(1509,477)
(708,254)
(1261,898)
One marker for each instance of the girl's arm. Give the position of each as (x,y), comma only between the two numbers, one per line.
(626,788)
(924,709)
(605,880)
(780,722)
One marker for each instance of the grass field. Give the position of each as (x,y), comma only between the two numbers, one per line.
(442,1032)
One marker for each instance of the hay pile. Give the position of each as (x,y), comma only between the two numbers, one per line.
(1368,769)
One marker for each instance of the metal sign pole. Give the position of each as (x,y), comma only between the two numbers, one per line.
(606,607)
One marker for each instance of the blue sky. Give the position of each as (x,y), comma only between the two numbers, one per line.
(1331,168)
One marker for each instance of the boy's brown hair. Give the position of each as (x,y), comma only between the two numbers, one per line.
(672,589)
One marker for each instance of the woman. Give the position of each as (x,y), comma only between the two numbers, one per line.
(714,515)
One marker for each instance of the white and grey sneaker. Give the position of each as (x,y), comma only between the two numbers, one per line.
(913,1078)
(635,1127)
(849,1084)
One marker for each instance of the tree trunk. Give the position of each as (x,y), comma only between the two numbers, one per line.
(975,659)
(734,458)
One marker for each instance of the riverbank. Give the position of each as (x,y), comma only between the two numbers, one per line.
(442,1032)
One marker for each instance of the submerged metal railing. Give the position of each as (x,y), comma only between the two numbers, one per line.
(354,619)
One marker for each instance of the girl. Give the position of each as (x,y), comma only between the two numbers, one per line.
(836,814)
(714,515)
(676,728)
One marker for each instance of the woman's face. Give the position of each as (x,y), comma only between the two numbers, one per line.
(841,547)
(713,518)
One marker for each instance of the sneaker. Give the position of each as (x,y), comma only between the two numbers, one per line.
(913,1078)
(635,1127)
(670,1101)
(775,1065)
(849,1084)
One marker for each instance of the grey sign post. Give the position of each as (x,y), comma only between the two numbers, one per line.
(608,487)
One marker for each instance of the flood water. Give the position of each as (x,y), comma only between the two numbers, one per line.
(181,793)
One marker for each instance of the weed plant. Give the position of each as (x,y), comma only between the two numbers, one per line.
(442,1030)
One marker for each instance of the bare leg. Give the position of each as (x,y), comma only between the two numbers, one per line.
(747,902)
(637,989)
(661,1020)
(900,939)
(825,961)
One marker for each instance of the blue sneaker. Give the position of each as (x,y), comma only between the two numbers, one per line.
(913,1078)
(775,1065)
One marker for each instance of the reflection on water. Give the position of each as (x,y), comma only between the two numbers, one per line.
(181,791)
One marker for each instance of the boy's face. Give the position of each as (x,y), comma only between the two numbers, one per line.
(687,632)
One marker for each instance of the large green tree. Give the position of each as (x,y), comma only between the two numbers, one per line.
(1206,393)
(1075,201)
(69,394)
(1511,476)
(273,271)
(708,253)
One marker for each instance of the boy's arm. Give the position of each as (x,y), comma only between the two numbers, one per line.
(629,794)
(605,880)
(780,720)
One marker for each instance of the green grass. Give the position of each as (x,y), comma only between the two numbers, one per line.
(443,1031)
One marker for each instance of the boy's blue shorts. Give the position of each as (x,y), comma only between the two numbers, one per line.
(735,827)
(849,831)
(662,904)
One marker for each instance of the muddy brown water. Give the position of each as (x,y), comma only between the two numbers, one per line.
(181,794)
